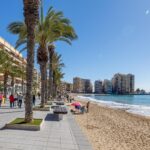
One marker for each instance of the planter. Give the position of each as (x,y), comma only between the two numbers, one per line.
(19,124)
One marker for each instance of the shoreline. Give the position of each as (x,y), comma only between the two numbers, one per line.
(114,129)
(107,94)
(140,110)
(109,107)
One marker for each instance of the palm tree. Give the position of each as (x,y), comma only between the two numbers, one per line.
(51,50)
(57,66)
(50,29)
(31,15)
(67,34)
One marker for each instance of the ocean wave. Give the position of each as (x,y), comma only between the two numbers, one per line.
(135,109)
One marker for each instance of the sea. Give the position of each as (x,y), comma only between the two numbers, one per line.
(136,104)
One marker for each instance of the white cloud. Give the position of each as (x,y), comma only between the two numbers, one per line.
(147,12)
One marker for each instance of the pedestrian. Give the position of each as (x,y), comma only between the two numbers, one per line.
(33,99)
(20,97)
(87,106)
(11,100)
(4,99)
(1,98)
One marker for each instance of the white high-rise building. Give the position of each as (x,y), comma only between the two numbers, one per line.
(123,83)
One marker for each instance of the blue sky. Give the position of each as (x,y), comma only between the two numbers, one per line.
(114,36)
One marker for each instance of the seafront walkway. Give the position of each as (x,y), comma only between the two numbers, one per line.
(54,135)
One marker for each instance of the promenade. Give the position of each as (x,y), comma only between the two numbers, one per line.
(55,135)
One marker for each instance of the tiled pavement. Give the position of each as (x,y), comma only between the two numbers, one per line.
(55,135)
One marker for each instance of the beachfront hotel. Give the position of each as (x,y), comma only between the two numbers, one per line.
(19,83)
(123,83)
(82,85)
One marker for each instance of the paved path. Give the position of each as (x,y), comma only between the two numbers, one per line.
(55,135)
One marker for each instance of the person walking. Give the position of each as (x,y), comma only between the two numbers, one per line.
(20,97)
(1,98)
(11,100)
(87,106)
(33,100)
(4,99)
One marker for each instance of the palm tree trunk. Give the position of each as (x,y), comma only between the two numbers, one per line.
(42,60)
(31,15)
(50,92)
(12,85)
(43,71)
(46,90)
(22,85)
(5,84)
(54,85)
(51,53)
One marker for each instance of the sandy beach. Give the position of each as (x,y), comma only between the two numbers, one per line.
(114,129)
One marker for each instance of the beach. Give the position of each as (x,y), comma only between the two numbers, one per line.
(114,129)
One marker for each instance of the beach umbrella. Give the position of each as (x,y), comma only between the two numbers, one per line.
(76,104)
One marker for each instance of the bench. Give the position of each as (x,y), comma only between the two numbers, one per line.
(59,112)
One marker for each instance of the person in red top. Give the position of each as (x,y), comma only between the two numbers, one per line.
(11,99)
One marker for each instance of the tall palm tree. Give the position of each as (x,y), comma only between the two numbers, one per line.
(57,66)
(67,35)
(51,50)
(31,15)
(51,28)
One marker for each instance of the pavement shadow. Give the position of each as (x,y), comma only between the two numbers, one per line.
(51,117)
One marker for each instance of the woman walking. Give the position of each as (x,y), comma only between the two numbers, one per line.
(11,99)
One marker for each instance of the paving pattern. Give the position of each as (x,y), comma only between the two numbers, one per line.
(54,135)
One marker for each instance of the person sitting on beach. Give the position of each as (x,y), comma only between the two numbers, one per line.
(78,108)
(83,109)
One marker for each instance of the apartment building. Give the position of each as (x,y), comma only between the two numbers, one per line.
(123,83)
(98,87)
(82,85)
(77,85)
(20,60)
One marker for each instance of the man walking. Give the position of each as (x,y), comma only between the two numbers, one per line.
(20,97)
